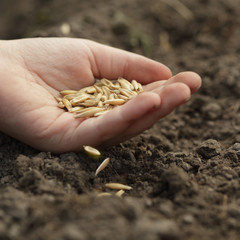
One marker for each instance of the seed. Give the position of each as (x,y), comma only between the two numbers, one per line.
(76,109)
(67,104)
(125,92)
(92,151)
(90,89)
(135,84)
(115,95)
(120,193)
(80,98)
(125,84)
(89,103)
(108,107)
(106,82)
(111,96)
(85,109)
(69,97)
(104,194)
(67,92)
(61,105)
(82,90)
(140,88)
(102,166)
(58,99)
(117,101)
(100,104)
(123,97)
(89,112)
(118,186)
(134,94)
(116,91)
(104,98)
(98,89)
(106,91)
(101,113)
(98,97)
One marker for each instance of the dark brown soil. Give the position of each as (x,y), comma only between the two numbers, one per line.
(184,171)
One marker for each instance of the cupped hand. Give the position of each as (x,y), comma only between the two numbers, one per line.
(33,71)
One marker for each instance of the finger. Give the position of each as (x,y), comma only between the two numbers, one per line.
(191,79)
(112,63)
(112,124)
(171,96)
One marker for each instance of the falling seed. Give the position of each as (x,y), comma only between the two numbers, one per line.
(92,151)
(65,29)
(118,186)
(102,166)
(120,193)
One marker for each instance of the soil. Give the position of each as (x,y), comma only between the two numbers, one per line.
(184,171)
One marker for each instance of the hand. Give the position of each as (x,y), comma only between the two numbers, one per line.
(33,71)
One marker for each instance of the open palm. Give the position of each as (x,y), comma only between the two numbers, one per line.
(33,71)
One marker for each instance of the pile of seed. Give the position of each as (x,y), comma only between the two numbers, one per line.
(99,98)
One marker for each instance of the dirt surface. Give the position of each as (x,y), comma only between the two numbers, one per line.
(184,171)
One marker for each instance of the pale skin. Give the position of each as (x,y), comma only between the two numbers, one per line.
(33,71)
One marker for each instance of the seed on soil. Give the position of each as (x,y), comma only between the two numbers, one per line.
(92,151)
(102,166)
(118,186)
(104,194)
(99,98)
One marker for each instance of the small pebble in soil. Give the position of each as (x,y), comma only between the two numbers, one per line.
(212,111)
(209,148)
